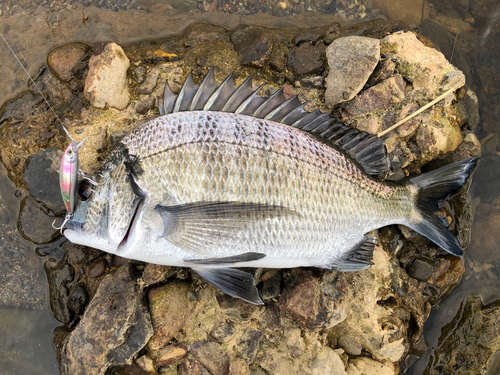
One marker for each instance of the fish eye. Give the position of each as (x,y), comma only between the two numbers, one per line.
(84,190)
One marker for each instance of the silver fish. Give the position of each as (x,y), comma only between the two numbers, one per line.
(226,178)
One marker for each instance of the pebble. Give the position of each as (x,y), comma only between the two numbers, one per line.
(249,344)
(222,333)
(211,356)
(97,268)
(171,354)
(190,366)
(145,105)
(149,84)
(77,299)
(253,44)
(420,270)
(62,60)
(306,59)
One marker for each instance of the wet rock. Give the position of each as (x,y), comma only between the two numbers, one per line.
(42,177)
(62,60)
(191,366)
(106,83)
(170,308)
(420,270)
(306,37)
(351,60)
(254,44)
(327,362)
(211,356)
(425,67)
(171,354)
(365,365)
(98,268)
(377,97)
(145,105)
(437,136)
(384,70)
(77,299)
(59,276)
(472,108)
(409,11)
(34,224)
(149,84)
(306,59)
(222,333)
(470,342)
(350,346)
(115,327)
(249,344)
(304,300)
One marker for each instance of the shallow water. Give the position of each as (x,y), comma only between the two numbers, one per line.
(26,323)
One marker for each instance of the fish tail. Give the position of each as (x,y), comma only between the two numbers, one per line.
(435,188)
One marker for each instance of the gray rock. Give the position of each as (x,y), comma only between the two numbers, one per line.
(472,106)
(140,73)
(249,344)
(306,59)
(351,60)
(115,327)
(97,268)
(254,44)
(350,346)
(145,105)
(377,97)
(59,276)
(211,356)
(106,83)
(62,60)
(149,84)
(420,270)
(34,224)
(409,127)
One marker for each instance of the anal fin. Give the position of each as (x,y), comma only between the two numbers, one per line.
(234,282)
(358,258)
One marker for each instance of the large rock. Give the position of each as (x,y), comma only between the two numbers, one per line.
(115,327)
(306,59)
(351,60)
(62,60)
(106,83)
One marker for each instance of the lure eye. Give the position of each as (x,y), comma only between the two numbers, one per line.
(69,152)
(84,190)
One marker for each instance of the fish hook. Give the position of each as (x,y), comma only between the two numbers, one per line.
(66,218)
(90,180)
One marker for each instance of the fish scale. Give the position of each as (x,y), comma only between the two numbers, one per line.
(213,190)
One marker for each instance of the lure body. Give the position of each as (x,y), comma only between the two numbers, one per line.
(68,175)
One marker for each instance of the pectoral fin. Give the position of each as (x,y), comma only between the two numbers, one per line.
(200,226)
(234,282)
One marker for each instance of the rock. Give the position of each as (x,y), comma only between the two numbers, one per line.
(425,67)
(409,127)
(170,308)
(469,342)
(350,346)
(171,354)
(254,45)
(62,60)
(420,270)
(239,367)
(34,224)
(293,342)
(211,356)
(386,93)
(317,82)
(306,37)
(149,84)
(106,83)
(351,60)
(306,59)
(437,136)
(327,362)
(115,327)
(98,268)
(59,277)
(249,344)
(367,366)
(42,177)
(472,107)
(190,366)
(155,273)
(140,73)
(304,300)
(77,299)
(271,287)
(145,105)
(384,70)
(222,333)
(146,364)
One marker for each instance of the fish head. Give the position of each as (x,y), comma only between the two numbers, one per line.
(104,211)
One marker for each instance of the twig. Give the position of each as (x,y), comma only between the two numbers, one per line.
(453,49)
(440,97)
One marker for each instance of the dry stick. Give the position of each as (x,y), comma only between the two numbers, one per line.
(440,97)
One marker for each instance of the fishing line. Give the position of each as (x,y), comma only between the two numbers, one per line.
(39,91)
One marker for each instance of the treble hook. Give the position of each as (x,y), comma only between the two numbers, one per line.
(66,218)
(90,180)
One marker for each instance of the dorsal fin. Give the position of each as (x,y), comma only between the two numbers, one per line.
(368,150)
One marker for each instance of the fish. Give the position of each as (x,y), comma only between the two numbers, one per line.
(225,179)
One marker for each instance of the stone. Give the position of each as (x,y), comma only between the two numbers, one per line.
(409,127)
(211,356)
(98,268)
(171,354)
(437,136)
(350,346)
(254,45)
(42,177)
(77,299)
(327,362)
(191,366)
(306,37)
(170,308)
(222,333)
(317,82)
(386,93)
(470,341)
(420,270)
(146,364)
(62,60)
(140,73)
(368,366)
(115,327)
(149,84)
(293,342)
(155,273)
(145,105)
(249,344)
(106,83)
(425,67)
(35,224)
(384,70)
(239,367)
(351,60)
(306,59)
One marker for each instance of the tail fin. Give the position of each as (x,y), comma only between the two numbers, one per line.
(434,188)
